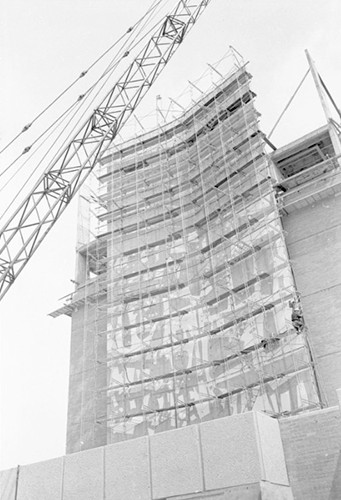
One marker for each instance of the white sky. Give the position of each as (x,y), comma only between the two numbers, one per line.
(44,46)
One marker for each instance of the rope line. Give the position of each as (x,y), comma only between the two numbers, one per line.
(82,74)
(136,40)
(288,104)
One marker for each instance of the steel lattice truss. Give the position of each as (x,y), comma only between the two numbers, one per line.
(31,222)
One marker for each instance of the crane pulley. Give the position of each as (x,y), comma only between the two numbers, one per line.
(52,193)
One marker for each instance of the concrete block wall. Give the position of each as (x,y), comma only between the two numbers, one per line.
(240,457)
(313,236)
(312,448)
(43,476)
(8,484)
(86,375)
(232,457)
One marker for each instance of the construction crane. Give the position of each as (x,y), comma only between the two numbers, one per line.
(52,193)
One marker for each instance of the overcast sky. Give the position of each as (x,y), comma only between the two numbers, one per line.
(44,46)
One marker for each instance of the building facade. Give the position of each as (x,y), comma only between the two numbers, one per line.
(186,306)
(207,305)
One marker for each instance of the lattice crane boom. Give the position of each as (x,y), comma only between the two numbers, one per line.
(33,219)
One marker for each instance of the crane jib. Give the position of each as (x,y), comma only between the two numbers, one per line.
(33,219)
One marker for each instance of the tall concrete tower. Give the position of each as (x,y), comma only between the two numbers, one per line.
(185,308)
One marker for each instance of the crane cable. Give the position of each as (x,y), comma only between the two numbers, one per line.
(288,104)
(108,72)
(111,67)
(82,74)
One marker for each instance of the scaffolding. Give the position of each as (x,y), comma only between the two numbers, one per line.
(185,302)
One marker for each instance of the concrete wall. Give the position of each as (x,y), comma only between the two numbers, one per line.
(85,404)
(229,458)
(8,484)
(314,245)
(239,457)
(312,447)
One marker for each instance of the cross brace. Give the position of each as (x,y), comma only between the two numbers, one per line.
(33,219)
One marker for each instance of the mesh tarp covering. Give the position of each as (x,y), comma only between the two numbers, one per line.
(189,284)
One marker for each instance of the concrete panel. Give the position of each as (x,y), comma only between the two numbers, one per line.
(271,450)
(176,462)
(41,481)
(324,214)
(313,236)
(8,479)
(317,256)
(73,438)
(243,492)
(84,475)
(322,311)
(312,448)
(271,491)
(84,377)
(127,473)
(255,491)
(329,374)
(230,451)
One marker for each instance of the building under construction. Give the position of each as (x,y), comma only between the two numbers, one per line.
(205,358)
(194,298)
(185,296)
